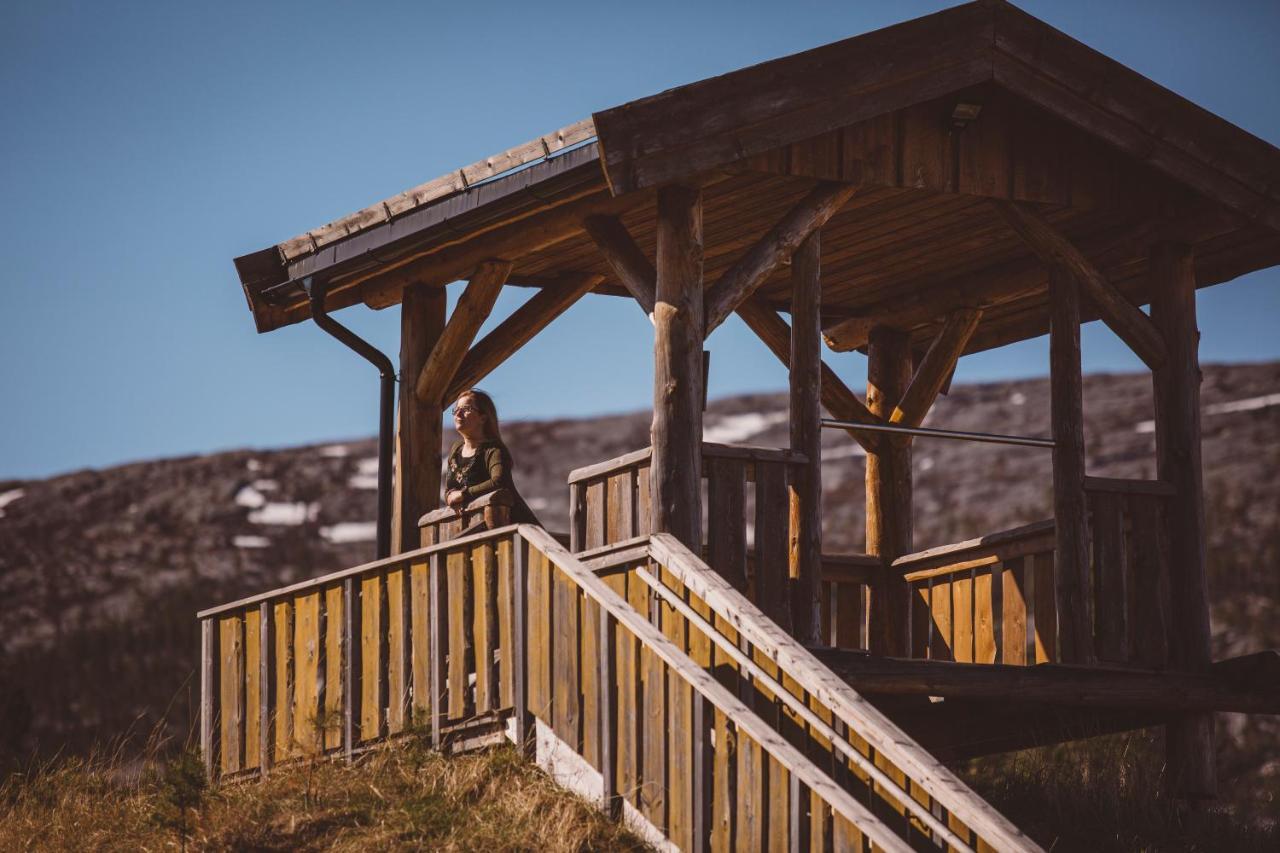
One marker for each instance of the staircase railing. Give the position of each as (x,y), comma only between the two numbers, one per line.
(683,707)
(747,511)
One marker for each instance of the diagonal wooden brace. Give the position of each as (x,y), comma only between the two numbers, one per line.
(1121,316)
(772,250)
(936,366)
(841,402)
(468,315)
(625,258)
(518,329)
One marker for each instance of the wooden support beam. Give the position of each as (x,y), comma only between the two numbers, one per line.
(936,367)
(624,257)
(837,397)
(1177,398)
(1121,315)
(888,481)
(773,249)
(419,432)
(1062,684)
(805,498)
(468,315)
(1075,603)
(676,434)
(518,329)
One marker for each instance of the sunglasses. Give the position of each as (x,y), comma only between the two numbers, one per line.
(459,411)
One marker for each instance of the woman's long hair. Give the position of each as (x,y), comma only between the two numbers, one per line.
(484,404)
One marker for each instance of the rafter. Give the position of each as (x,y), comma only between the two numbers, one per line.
(1121,315)
(936,366)
(468,315)
(517,330)
(841,402)
(625,258)
(773,249)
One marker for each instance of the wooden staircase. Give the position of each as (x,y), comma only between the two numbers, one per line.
(636,675)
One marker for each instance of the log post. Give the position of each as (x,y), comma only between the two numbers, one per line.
(676,435)
(1075,610)
(1190,740)
(805,538)
(888,490)
(419,432)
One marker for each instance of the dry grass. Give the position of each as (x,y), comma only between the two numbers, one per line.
(1106,794)
(405,797)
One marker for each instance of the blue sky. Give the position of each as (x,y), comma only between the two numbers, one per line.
(145,145)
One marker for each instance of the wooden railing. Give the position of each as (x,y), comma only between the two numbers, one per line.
(341,662)
(746,514)
(994,599)
(642,678)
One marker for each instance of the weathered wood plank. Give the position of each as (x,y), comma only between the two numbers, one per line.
(597,498)
(962,617)
(566,648)
(372,666)
(752,804)
(1148,553)
(726,519)
(985,610)
(1044,569)
(462,656)
(1014,607)
(397,632)
(1109,571)
(231,691)
(420,657)
(253,689)
(484,570)
(507,652)
(334,663)
(772,576)
(283,630)
(308,731)
(539,629)
(589,656)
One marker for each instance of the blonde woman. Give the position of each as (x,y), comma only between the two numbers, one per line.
(480,462)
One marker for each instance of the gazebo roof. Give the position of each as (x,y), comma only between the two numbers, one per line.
(1112,160)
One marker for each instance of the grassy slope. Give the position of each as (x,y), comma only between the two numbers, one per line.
(401,798)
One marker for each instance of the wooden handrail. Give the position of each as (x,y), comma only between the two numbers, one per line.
(418,555)
(1002,544)
(705,684)
(712,449)
(800,665)
(498,497)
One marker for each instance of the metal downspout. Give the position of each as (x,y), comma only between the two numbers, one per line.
(386,404)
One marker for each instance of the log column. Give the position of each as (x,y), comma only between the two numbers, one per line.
(1075,611)
(888,490)
(676,435)
(420,431)
(806,437)
(1190,741)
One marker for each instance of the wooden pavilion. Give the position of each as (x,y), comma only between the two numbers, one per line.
(937,188)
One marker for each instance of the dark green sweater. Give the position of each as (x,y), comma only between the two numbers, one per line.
(487,471)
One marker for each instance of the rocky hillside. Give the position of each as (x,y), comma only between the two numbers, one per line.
(101,572)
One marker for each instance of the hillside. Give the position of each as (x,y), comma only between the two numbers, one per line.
(101,572)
